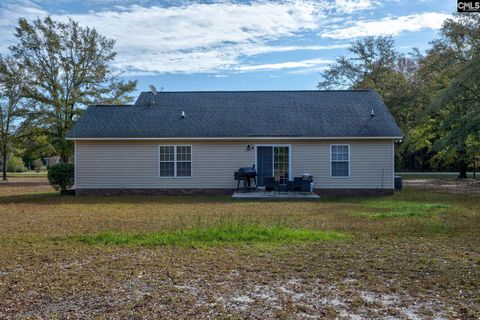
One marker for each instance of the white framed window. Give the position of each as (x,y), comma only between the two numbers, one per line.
(183,161)
(340,160)
(175,161)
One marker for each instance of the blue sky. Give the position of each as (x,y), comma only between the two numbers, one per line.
(236,45)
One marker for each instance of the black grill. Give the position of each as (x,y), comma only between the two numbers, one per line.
(246,174)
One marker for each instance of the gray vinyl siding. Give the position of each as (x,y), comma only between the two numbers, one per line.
(371,164)
(134,164)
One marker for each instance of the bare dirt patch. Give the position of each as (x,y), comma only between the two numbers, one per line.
(12,182)
(457,186)
(375,279)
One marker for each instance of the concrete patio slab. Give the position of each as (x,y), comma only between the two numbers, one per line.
(275,195)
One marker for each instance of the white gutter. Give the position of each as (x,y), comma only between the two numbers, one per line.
(240,138)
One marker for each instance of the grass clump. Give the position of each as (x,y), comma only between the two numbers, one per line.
(398,208)
(235,234)
(435,227)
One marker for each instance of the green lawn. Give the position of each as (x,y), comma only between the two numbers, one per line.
(27,174)
(381,209)
(414,253)
(219,235)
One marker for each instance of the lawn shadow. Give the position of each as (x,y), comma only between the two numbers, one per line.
(49,198)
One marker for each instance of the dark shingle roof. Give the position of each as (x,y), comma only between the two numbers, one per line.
(343,113)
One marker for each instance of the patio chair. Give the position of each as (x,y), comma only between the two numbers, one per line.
(270,184)
(290,186)
(297,184)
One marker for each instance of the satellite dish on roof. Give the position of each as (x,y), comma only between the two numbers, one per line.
(153,89)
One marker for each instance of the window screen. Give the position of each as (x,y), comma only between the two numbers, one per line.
(167,161)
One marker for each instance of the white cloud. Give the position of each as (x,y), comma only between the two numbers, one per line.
(389,26)
(285,65)
(193,37)
(200,37)
(216,37)
(260,49)
(312,70)
(9,15)
(350,6)
(201,25)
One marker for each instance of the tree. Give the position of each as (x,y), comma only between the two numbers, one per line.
(37,165)
(374,63)
(15,164)
(435,97)
(68,67)
(12,80)
(456,106)
(370,61)
(32,143)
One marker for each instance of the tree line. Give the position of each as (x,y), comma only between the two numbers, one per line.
(55,69)
(434,96)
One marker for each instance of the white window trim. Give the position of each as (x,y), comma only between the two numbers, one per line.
(175,161)
(330,164)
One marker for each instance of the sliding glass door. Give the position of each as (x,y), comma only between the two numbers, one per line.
(273,161)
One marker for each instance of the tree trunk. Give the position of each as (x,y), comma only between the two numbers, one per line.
(462,162)
(474,168)
(462,170)
(64,158)
(4,166)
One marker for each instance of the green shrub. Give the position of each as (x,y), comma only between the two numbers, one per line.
(15,164)
(61,176)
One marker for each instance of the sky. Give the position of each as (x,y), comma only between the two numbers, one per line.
(235,45)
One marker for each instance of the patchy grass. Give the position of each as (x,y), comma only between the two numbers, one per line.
(432,227)
(233,234)
(381,209)
(211,257)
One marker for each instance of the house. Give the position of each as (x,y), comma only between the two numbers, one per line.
(192,142)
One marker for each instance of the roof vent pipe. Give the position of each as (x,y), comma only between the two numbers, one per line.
(372,114)
(183,114)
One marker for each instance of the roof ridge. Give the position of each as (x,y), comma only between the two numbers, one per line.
(110,105)
(246,91)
